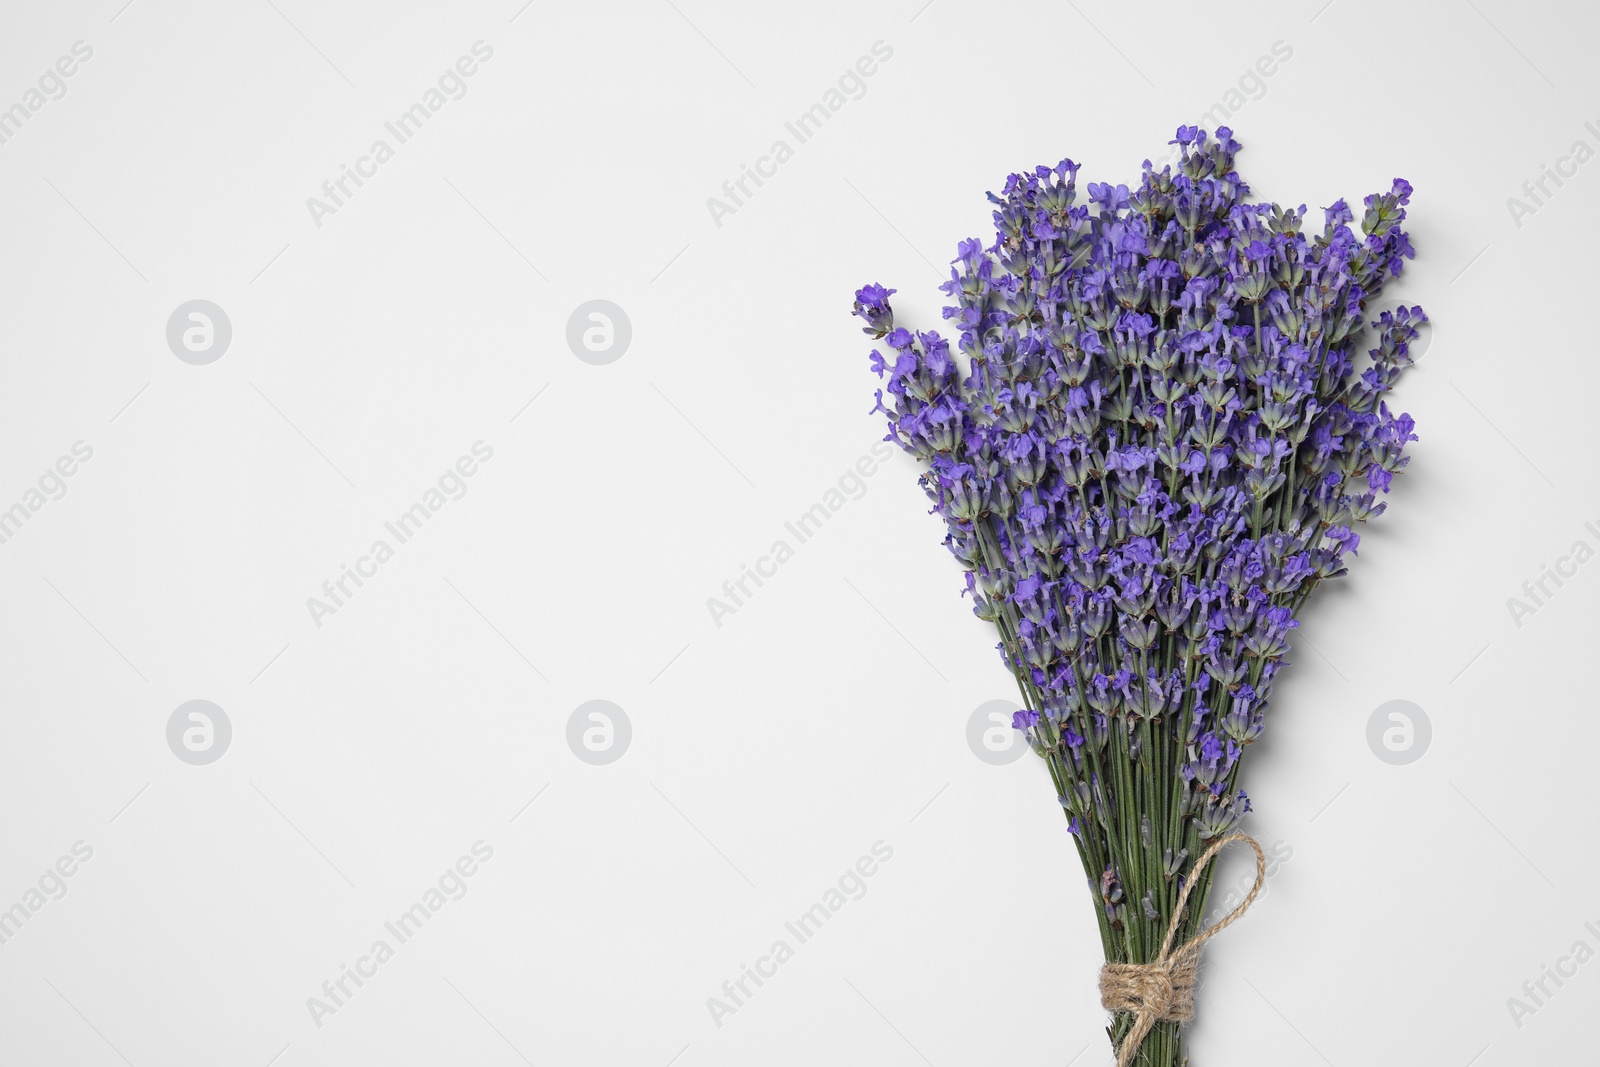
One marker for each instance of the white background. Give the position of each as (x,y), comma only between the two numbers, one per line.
(830,711)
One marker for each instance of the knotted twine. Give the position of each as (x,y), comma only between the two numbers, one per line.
(1163,989)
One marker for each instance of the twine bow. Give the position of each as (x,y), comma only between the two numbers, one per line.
(1163,989)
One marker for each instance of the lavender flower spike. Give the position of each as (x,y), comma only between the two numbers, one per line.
(1152,437)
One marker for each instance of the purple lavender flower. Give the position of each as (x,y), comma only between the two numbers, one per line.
(1159,418)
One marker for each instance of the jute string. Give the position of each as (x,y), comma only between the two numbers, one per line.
(1163,989)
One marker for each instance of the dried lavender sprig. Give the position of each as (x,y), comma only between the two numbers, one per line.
(1154,446)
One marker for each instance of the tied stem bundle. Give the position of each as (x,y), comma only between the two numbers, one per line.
(1163,989)
(1162,422)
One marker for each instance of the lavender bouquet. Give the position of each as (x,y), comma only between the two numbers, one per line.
(1154,444)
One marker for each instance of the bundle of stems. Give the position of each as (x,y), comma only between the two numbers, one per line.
(1152,444)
